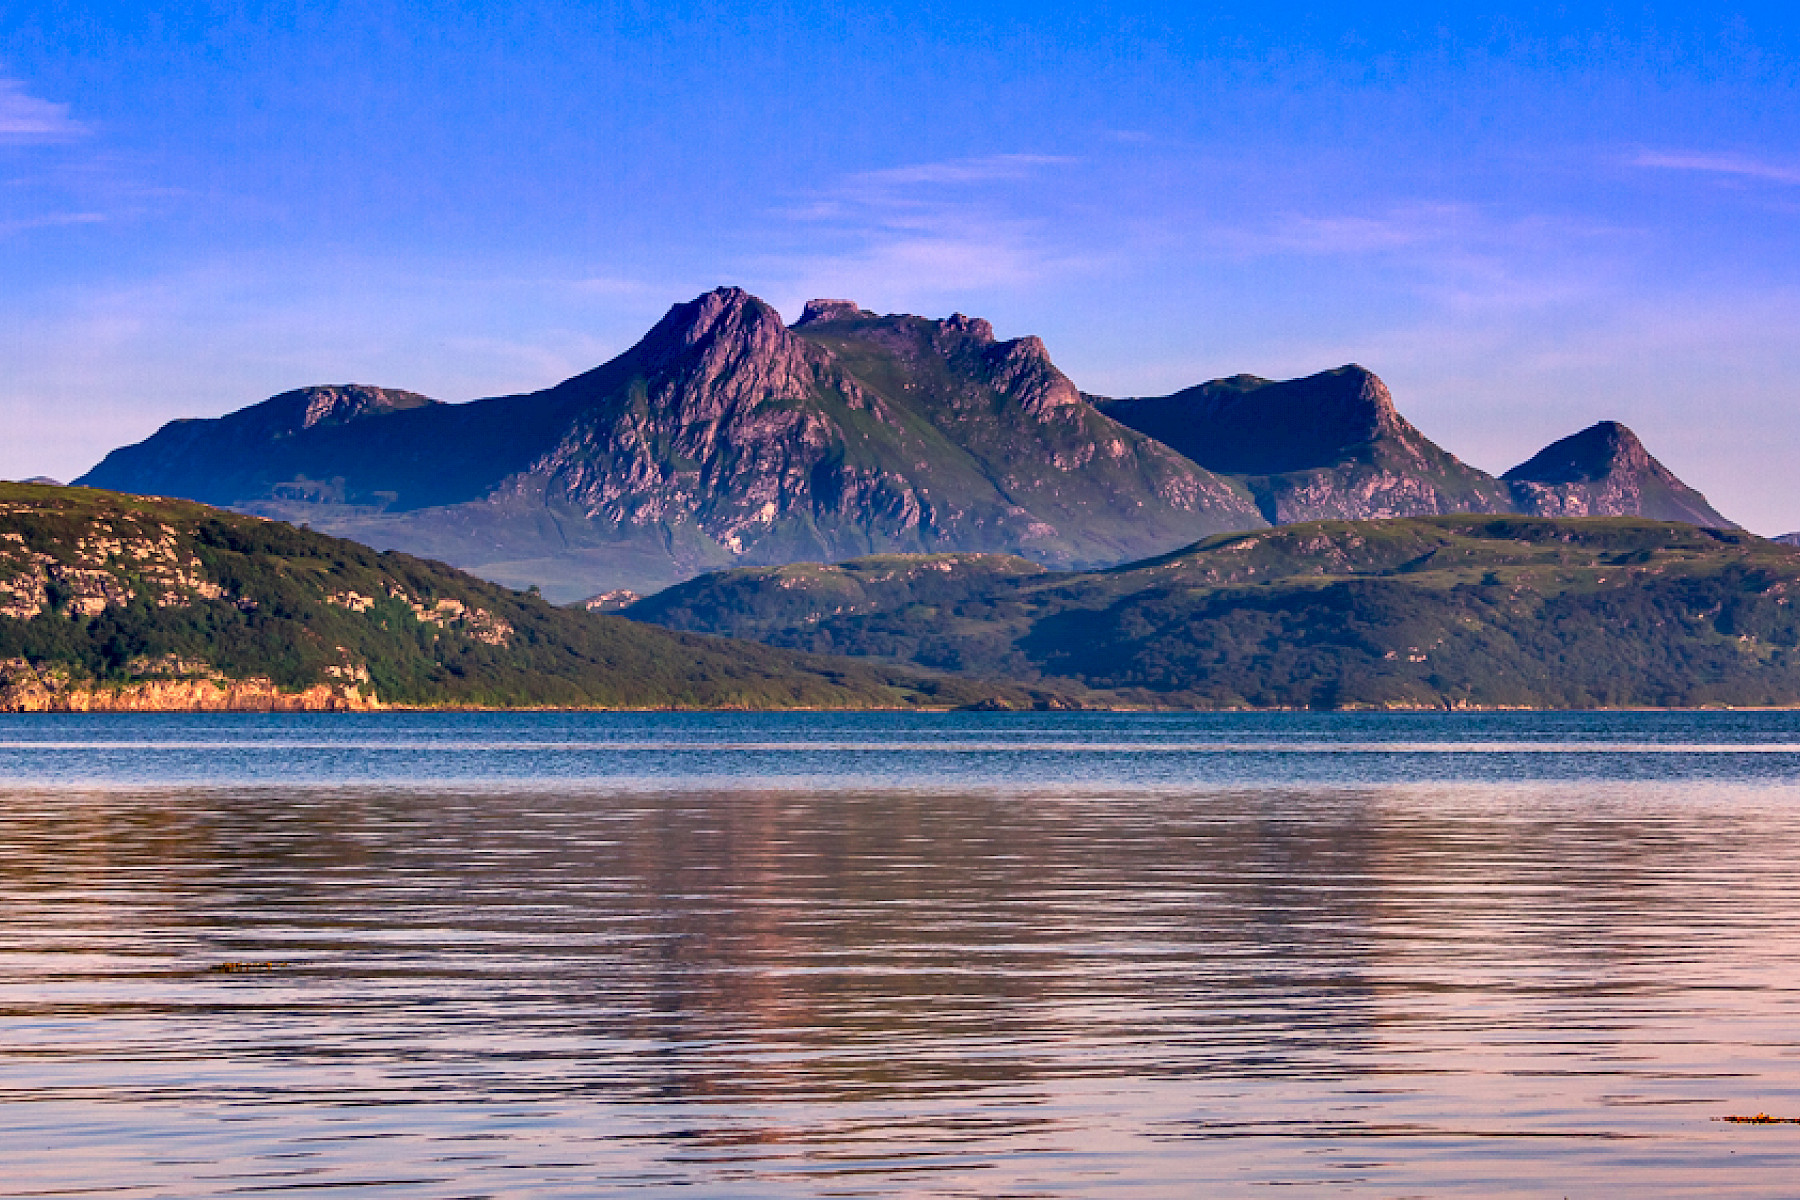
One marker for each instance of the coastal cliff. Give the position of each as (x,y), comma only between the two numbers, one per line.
(54,689)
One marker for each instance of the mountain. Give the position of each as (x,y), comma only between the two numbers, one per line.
(1604,471)
(111,602)
(1331,445)
(1422,612)
(722,437)
(726,438)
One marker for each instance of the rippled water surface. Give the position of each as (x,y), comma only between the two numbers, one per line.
(884,955)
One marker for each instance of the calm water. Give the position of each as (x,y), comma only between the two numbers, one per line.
(805,955)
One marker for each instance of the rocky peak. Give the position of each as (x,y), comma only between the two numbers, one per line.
(974,327)
(831,310)
(312,407)
(723,348)
(1245,424)
(723,314)
(1604,471)
(1350,404)
(1596,453)
(1022,368)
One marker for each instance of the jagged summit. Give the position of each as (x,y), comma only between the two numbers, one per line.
(1604,470)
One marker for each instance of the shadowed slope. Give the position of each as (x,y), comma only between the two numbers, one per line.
(1328,445)
(1605,471)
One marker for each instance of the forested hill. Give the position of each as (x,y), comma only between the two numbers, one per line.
(120,602)
(1457,610)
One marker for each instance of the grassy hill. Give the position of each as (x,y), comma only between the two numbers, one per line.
(112,601)
(1458,610)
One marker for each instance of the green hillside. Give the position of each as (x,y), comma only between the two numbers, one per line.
(1460,610)
(109,600)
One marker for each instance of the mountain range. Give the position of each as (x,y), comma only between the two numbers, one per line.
(727,438)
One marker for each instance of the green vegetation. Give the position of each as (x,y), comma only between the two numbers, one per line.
(1462,610)
(113,589)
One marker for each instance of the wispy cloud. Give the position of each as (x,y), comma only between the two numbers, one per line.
(924,230)
(1341,233)
(1740,166)
(49,221)
(24,117)
(989,169)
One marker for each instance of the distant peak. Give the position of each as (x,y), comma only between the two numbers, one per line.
(831,310)
(726,312)
(1594,453)
(324,405)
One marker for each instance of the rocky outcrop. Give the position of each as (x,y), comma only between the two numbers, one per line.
(24,688)
(831,310)
(1604,471)
(313,407)
(1327,446)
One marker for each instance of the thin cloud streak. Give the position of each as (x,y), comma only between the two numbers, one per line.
(24,117)
(1736,165)
(987,169)
(50,221)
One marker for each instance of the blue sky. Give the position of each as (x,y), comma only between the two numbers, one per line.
(1525,221)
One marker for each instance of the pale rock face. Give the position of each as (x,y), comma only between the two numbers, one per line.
(24,688)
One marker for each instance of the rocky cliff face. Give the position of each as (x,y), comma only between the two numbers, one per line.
(1604,471)
(43,688)
(1327,446)
(723,437)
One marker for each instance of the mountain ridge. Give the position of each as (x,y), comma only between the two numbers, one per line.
(724,437)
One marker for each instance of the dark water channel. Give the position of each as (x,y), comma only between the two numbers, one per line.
(769,956)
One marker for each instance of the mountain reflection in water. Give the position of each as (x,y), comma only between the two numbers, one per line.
(883,976)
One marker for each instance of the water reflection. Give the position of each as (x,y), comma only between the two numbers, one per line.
(569,990)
